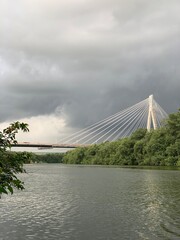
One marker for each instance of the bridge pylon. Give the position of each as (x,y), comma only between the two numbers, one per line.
(151,121)
(144,114)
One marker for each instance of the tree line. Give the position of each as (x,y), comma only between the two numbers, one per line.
(45,158)
(160,147)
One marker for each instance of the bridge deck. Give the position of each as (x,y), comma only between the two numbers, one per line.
(44,145)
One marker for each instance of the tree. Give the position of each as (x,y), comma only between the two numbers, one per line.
(160,147)
(75,156)
(139,151)
(125,152)
(11,163)
(138,134)
(173,125)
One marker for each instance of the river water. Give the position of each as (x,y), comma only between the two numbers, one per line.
(88,203)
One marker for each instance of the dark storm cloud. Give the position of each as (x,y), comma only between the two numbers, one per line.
(85,60)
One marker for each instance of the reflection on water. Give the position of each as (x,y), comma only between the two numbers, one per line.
(160,203)
(87,203)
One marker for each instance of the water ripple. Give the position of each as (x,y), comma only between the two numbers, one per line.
(85,203)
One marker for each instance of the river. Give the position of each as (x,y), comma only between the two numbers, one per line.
(67,202)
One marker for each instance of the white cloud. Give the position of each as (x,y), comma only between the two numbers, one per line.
(43,129)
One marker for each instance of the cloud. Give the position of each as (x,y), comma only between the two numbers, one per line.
(81,61)
(43,129)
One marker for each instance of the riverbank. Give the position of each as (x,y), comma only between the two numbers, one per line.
(113,166)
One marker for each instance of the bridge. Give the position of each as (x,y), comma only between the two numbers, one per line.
(41,146)
(145,114)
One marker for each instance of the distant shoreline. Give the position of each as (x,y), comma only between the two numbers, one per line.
(113,166)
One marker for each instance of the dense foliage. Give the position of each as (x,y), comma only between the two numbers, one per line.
(159,147)
(11,163)
(45,158)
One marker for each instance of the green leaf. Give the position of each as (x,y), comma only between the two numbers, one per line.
(3,190)
(10,189)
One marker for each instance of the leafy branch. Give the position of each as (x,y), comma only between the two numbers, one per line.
(11,163)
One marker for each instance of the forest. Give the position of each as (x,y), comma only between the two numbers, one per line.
(160,147)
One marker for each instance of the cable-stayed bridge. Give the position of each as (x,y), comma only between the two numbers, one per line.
(145,114)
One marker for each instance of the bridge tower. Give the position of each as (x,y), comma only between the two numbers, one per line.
(151,114)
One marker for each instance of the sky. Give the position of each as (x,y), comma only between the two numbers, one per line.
(66,64)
